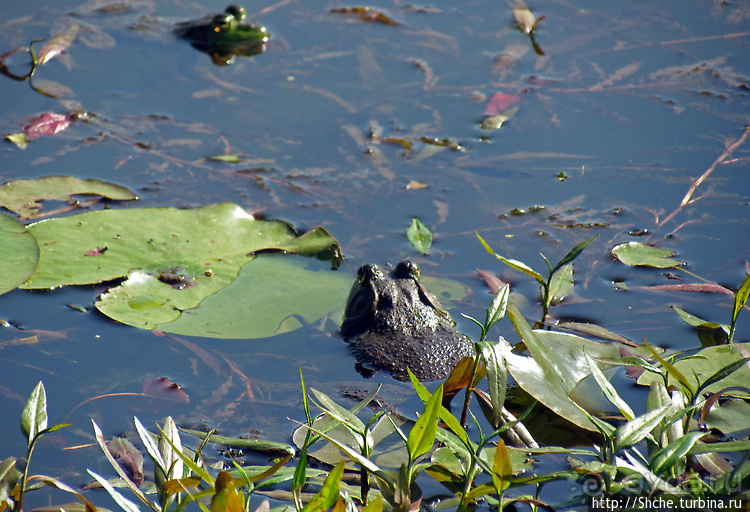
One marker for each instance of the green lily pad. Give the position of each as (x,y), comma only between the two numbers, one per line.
(23,196)
(175,259)
(20,254)
(636,253)
(271,295)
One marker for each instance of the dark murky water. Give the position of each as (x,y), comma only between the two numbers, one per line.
(631,103)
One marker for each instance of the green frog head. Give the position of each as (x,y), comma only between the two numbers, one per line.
(224,35)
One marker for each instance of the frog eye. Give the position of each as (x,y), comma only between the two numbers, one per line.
(236,11)
(368,273)
(406,270)
(222,23)
(361,303)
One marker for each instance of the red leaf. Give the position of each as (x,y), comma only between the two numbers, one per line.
(162,387)
(97,252)
(500,102)
(691,287)
(491,280)
(48,123)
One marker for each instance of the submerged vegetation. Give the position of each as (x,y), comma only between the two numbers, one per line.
(682,446)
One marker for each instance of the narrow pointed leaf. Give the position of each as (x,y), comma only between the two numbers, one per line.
(575,252)
(502,468)
(609,389)
(740,299)
(497,309)
(637,429)
(449,419)
(422,435)
(497,378)
(329,493)
(517,265)
(34,415)
(125,504)
(676,450)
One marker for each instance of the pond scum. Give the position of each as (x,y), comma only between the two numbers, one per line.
(677,455)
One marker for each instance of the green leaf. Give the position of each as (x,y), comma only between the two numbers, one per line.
(637,429)
(329,493)
(374,505)
(497,309)
(419,236)
(125,504)
(19,139)
(232,159)
(721,362)
(674,452)
(699,323)
(20,255)
(637,253)
(10,474)
(502,469)
(226,498)
(23,196)
(177,262)
(740,299)
(259,445)
(722,374)
(609,390)
(497,378)
(34,415)
(561,284)
(449,419)
(342,415)
(517,265)
(98,246)
(422,435)
(133,487)
(673,372)
(172,461)
(575,252)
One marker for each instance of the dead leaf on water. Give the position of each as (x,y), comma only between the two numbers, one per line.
(57,45)
(525,19)
(368,14)
(416,185)
(29,340)
(162,387)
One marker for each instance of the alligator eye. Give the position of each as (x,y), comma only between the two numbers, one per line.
(222,23)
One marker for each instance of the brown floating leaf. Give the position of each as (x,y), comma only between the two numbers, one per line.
(416,185)
(162,387)
(129,458)
(525,19)
(367,14)
(57,45)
